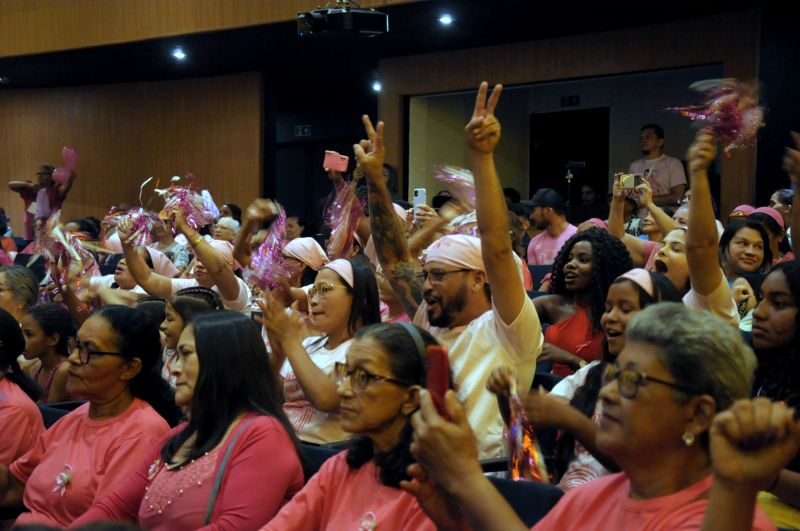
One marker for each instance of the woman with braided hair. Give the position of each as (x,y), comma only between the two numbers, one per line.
(584,269)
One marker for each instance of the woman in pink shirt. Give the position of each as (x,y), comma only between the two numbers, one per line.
(679,368)
(48,329)
(85,453)
(19,416)
(359,488)
(236,461)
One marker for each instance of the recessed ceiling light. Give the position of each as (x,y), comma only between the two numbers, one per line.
(376,86)
(446,19)
(4,80)
(179,54)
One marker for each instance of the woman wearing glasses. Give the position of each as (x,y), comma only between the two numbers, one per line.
(678,369)
(379,391)
(236,434)
(343,299)
(87,452)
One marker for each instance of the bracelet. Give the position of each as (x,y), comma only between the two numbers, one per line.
(774,483)
(197,240)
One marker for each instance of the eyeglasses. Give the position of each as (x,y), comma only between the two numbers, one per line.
(437,275)
(322,289)
(85,353)
(360,379)
(629,380)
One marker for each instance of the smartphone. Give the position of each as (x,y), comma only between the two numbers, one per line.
(438,381)
(420,198)
(629,181)
(334,161)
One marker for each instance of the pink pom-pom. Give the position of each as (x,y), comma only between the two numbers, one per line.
(267,264)
(730,111)
(198,208)
(526,460)
(342,218)
(143,222)
(459,182)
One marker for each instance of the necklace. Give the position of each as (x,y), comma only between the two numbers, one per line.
(163,489)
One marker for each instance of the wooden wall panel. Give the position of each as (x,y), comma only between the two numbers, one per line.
(729,39)
(37,26)
(125,133)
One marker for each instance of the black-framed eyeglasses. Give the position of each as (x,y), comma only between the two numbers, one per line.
(85,353)
(629,380)
(360,378)
(322,289)
(437,275)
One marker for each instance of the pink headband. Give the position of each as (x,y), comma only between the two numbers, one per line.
(747,209)
(641,278)
(308,251)
(771,212)
(599,223)
(343,268)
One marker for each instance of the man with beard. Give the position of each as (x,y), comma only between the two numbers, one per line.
(469,292)
(664,173)
(549,216)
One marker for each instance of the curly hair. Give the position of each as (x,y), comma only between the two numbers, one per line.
(610,258)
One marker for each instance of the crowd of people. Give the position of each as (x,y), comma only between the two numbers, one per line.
(662,349)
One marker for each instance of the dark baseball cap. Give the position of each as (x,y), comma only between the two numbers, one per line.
(546,197)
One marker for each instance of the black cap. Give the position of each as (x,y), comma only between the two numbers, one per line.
(546,197)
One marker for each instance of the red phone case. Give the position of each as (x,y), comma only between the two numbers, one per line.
(438,377)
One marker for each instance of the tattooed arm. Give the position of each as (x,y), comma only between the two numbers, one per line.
(398,266)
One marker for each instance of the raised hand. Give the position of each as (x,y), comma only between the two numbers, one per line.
(644,193)
(261,210)
(371,153)
(752,441)
(702,152)
(791,160)
(502,381)
(544,409)
(483,129)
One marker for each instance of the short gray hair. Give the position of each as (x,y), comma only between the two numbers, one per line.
(229,222)
(702,352)
(23,284)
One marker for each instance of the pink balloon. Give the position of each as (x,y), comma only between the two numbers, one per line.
(70,156)
(61,175)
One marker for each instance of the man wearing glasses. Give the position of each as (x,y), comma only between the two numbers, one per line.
(469,292)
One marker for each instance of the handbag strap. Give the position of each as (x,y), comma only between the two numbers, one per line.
(218,479)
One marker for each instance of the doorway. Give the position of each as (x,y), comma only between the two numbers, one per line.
(576,141)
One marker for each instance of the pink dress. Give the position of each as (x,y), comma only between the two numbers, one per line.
(605,503)
(78,460)
(262,473)
(341,498)
(21,421)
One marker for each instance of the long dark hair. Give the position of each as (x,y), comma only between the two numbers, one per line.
(12,343)
(610,259)
(410,365)
(137,336)
(234,378)
(585,397)
(365,308)
(54,319)
(731,230)
(189,306)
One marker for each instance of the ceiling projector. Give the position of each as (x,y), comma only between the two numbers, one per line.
(342,18)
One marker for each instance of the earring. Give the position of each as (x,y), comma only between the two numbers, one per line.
(688,438)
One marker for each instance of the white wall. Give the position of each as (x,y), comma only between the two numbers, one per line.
(436,128)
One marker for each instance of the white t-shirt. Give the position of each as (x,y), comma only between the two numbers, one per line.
(719,302)
(311,424)
(662,173)
(582,467)
(240,304)
(106,281)
(475,350)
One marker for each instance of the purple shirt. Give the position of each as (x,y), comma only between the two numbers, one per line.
(543,248)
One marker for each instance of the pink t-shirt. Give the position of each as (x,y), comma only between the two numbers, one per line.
(176,500)
(605,503)
(662,173)
(339,497)
(543,248)
(21,421)
(94,456)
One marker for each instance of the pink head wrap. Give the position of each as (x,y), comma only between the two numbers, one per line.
(747,209)
(457,250)
(308,251)
(343,268)
(161,263)
(771,212)
(599,223)
(641,278)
